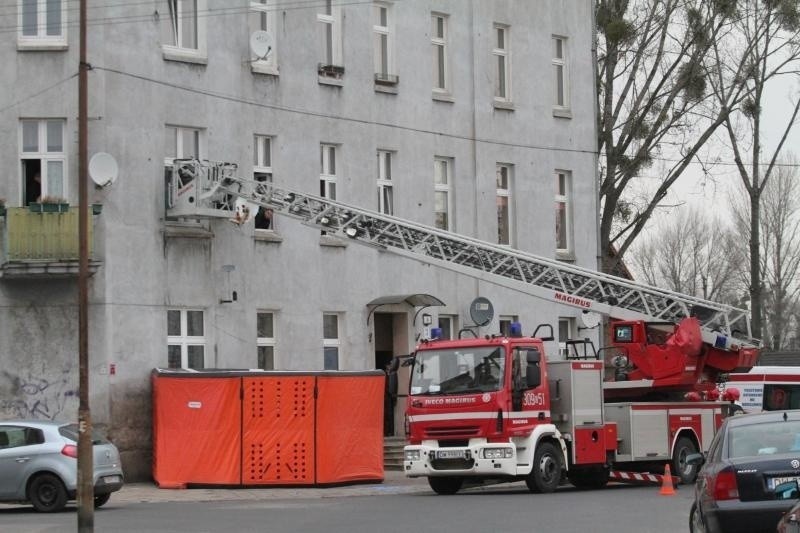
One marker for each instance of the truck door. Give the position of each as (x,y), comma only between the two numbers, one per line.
(529,394)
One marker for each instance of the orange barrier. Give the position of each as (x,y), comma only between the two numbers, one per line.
(666,484)
(218,427)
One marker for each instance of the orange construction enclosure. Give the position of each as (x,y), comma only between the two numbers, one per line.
(250,427)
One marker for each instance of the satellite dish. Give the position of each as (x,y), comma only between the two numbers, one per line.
(103,169)
(261,44)
(481,311)
(590,319)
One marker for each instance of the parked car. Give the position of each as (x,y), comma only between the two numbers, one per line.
(749,475)
(790,522)
(39,464)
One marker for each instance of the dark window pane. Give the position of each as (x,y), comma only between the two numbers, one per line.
(264,325)
(330,326)
(266,357)
(196,357)
(53,17)
(174,323)
(173,356)
(331,355)
(29,16)
(194,323)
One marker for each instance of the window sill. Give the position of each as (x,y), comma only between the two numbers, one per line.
(443,97)
(562,112)
(327,80)
(267,235)
(388,89)
(184,56)
(41,46)
(567,257)
(503,105)
(333,242)
(187,230)
(257,67)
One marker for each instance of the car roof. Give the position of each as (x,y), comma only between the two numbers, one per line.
(764,416)
(37,423)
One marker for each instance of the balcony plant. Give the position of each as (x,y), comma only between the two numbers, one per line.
(49,204)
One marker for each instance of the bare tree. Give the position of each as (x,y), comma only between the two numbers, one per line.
(779,252)
(692,253)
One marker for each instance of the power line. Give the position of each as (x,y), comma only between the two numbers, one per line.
(37,93)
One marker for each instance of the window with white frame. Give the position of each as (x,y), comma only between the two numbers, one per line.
(560,71)
(43,163)
(385,190)
(186,341)
(563,211)
(567,329)
(384,43)
(504,205)
(181,143)
(42,23)
(327,173)
(330,341)
(442,192)
(265,340)
(449,326)
(183,27)
(505,324)
(441,63)
(262,158)
(331,39)
(502,59)
(262,18)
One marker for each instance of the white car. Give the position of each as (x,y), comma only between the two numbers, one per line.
(39,464)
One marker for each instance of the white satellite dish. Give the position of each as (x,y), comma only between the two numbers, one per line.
(103,169)
(261,44)
(590,319)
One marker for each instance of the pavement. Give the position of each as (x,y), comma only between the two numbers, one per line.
(394,482)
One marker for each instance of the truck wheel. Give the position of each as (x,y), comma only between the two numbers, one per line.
(445,485)
(589,478)
(546,472)
(687,473)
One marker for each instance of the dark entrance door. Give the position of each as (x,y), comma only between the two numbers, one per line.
(384,355)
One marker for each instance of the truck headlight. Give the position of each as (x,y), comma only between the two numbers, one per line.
(498,453)
(412,455)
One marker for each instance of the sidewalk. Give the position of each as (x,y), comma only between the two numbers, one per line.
(394,483)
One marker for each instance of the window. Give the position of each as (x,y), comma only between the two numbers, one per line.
(262,18)
(186,340)
(42,158)
(262,158)
(265,340)
(563,212)
(504,214)
(16,436)
(330,341)
(181,143)
(441,67)
(331,40)
(327,174)
(502,57)
(449,326)
(384,44)
(442,178)
(385,200)
(505,324)
(560,72)
(566,331)
(183,26)
(42,24)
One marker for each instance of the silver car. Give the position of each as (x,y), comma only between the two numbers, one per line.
(38,464)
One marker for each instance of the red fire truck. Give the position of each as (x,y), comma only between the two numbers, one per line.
(498,408)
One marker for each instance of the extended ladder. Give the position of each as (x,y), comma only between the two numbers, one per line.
(722,326)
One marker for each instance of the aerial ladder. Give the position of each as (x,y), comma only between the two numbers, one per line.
(705,339)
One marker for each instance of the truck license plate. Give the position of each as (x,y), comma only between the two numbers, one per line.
(450,454)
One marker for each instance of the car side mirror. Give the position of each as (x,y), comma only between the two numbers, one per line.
(695,459)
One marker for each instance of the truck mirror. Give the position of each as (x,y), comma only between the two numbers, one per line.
(533,357)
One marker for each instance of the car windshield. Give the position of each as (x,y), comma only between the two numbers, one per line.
(767,438)
(458,371)
(70,431)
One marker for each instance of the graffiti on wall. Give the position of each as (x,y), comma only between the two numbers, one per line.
(25,395)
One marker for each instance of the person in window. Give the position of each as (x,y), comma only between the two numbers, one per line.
(264,218)
(33,189)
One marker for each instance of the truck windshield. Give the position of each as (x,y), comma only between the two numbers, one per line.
(457,371)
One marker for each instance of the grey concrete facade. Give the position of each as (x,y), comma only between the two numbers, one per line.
(150,264)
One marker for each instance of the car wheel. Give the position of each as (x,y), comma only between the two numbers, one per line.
(445,485)
(101,500)
(546,473)
(47,493)
(686,472)
(696,524)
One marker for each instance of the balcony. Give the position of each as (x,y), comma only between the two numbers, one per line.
(42,245)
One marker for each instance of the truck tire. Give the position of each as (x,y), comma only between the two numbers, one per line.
(546,472)
(445,485)
(589,478)
(686,473)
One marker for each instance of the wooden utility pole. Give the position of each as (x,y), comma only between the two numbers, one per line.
(85,458)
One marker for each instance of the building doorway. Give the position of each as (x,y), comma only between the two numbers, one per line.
(390,342)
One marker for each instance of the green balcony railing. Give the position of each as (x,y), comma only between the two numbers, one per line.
(41,236)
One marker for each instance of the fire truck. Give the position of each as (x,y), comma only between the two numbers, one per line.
(496,408)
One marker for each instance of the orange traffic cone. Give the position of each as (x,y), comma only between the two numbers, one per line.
(666,483)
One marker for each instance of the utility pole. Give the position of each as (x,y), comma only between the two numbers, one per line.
(85,456)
